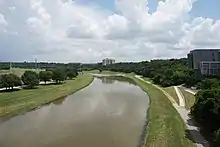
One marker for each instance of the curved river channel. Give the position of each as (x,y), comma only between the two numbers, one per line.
(111,112)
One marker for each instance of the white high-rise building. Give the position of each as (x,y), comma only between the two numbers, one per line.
(108,61)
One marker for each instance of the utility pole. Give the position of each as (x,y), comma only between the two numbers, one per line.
(10,68)
(36,63)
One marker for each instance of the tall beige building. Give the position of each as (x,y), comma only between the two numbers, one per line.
(108,61)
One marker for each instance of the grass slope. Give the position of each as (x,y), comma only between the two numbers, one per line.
(165,128)
(171,91)
(12,103)
(189,98)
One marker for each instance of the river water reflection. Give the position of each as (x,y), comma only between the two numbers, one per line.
(108,113)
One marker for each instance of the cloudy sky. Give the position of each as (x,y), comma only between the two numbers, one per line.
(89,30)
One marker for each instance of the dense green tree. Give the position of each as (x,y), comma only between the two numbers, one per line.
(157,79)
(10,81)
(72,74)
(45,76)
(30,79)
(59,75)
(162,72)
(209,83)
(206,110)
(190,78)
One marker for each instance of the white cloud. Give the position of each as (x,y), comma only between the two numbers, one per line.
(65,30)
(3,23)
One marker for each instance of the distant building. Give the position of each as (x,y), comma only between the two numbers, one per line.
(108,61)
(205,61)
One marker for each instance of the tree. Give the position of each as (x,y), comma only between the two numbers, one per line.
(30,78)
(45,76)
(190,78)
(207,110)
(59,75)
(209,84)
(10,81)
(72,74)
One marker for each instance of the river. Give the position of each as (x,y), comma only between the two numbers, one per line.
(111,112)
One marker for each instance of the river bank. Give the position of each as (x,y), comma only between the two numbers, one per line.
(164,126)
(18,102)
(109,112)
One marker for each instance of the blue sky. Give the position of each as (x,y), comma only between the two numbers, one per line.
(206,8)
(203,8)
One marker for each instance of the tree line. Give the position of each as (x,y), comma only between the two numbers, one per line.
(40,65)
(31,79)
(162,72)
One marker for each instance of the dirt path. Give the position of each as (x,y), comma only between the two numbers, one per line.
(192,130)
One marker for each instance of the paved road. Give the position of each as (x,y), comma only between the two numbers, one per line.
(180,96)
(190,91)
(192,129)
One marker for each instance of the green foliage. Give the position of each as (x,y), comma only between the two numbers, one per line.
(9,81)
(217,137)
(30,78)
(207,109)
(209,84)
(45,76)
(72,74)
(190,78)
(59,75)
(162,72)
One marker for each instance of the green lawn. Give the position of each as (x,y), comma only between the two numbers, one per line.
(12,103)
(189,98)
(165,128)
(171,91)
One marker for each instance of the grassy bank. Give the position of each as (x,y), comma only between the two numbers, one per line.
(171,91)
(12,103)
(189,98)
(165,128)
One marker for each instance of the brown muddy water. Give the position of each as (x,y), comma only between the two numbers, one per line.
(108,113)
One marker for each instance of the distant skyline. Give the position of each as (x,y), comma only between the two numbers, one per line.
(91,30)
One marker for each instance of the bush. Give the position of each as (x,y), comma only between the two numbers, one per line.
(10,81)
(30,78)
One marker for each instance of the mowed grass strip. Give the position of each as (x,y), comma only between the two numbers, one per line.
(189,98)
(12,103)
(165,126)
(171,91)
